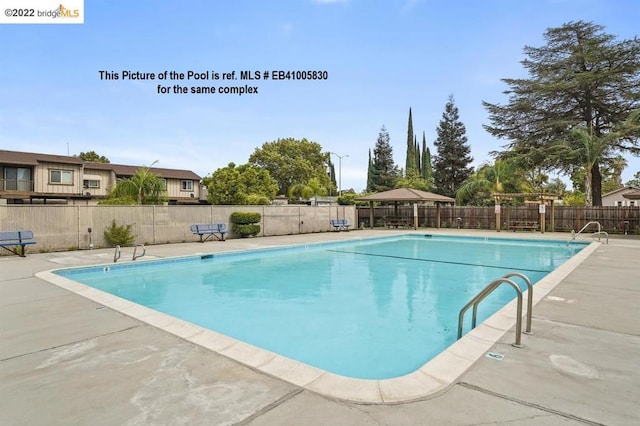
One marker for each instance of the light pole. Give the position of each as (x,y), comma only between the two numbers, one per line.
(340,157)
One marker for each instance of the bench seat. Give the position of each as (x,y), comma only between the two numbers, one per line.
(217,230)
(11,240)
(340,224)
(531,225)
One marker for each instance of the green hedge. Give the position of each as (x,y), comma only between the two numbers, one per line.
(245,218)
(244,223)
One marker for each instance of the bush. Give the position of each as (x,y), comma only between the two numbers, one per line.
(245,218)
(246,230)
(119,235)
(244,223)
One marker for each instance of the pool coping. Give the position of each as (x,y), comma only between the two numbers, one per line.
(433,377)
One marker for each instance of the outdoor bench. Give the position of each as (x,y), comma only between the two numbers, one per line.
(397,223)
(216,230)
(11,240)
(523,224)
(340,224)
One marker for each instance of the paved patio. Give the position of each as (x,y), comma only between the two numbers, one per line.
(65,359)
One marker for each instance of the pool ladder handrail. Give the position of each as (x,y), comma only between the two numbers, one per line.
(144,251)
(488,290)
(118,252)
(599,232)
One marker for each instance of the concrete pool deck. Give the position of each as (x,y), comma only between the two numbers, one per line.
(65,359)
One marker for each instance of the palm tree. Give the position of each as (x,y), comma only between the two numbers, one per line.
(586,149)
(618,164)
(488,180)
(144,187)
(312,189)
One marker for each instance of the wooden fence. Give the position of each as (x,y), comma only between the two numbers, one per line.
(614,220)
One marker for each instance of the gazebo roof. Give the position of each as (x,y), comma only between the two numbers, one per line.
(406,194)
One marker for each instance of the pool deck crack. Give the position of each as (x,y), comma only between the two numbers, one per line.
(72,343)
(270,407)
(529,404)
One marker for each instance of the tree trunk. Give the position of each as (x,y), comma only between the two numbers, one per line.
(596,185)
(588,191)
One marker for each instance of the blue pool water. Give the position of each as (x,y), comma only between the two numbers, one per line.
(372,309)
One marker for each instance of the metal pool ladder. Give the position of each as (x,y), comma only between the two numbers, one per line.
(488,290)
(118,253)
(599,232)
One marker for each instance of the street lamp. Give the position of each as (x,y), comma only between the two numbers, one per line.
(340,157)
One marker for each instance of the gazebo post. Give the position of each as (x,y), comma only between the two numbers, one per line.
(371,215)
(552,219)
(437,215)
(415,216)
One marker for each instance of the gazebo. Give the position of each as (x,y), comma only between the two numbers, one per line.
(405,195)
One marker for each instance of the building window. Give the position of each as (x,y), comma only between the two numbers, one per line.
(17,179)
(187,185)
(619,204)
(632,203)
(91,183)
(61,177)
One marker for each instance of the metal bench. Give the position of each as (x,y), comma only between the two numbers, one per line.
(340,224)
(217,230)
(11,240)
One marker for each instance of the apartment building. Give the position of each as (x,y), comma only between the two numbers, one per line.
(33,178)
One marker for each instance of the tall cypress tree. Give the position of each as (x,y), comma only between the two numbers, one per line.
(370,172)
(451,165)
(384,171)
(416,147)
(426,171)
(411,163)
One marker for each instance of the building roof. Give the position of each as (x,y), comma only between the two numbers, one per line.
(124,170)
(406,194)
(624,189)
(632,195)
(32,159)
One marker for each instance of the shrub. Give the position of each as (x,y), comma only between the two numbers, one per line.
(245,218)
(245,223)
(250,229)
(119,235)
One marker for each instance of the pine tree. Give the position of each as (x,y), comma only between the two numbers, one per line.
(451,164)
(581,77)
(384,172)
(411,163)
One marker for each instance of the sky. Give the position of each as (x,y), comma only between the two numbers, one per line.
(381,57)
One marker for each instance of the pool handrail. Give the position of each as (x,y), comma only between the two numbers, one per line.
(484,293)
(529,284)
(599,232)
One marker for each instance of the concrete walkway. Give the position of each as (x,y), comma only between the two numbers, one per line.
(67,360)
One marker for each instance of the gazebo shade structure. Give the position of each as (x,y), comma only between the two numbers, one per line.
(405,195)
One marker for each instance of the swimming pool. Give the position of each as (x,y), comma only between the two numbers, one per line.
(368,309)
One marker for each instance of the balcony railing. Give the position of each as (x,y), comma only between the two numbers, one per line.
(17,185)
